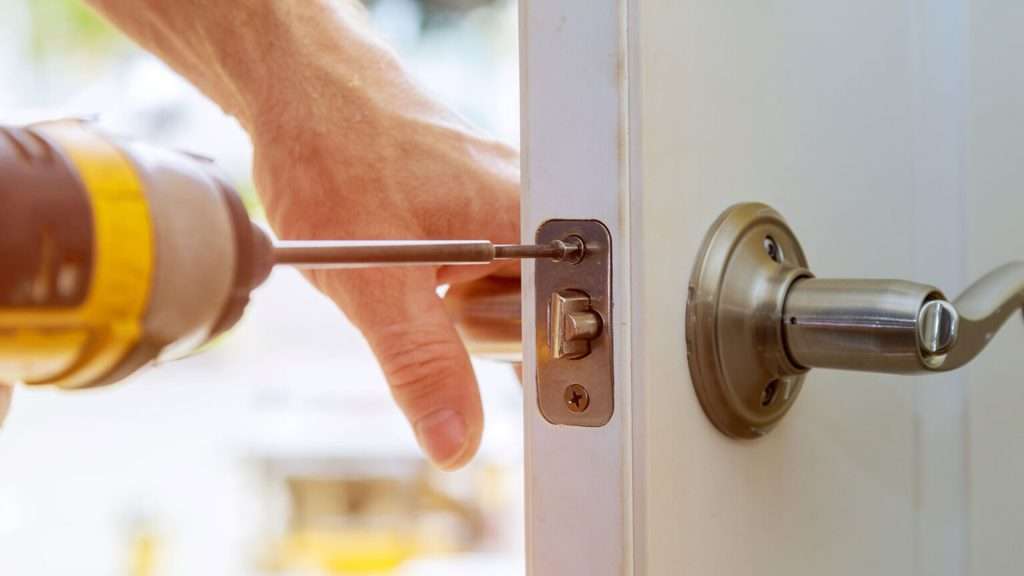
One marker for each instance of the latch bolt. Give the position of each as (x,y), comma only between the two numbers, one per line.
(572,324)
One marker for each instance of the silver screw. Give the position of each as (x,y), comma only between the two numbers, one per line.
(769,392)
(577,399)
(773,249)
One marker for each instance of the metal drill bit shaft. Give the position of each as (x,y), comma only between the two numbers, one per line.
(371,254)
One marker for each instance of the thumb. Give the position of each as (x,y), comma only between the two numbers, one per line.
(425,363)
(432,380)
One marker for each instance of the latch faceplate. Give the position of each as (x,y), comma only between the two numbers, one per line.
(574,327)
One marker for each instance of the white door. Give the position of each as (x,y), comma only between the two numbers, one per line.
(888,134)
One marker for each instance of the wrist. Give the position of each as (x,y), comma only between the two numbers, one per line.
(275,64)
(291,61)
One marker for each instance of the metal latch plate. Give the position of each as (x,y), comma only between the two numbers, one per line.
(576,391)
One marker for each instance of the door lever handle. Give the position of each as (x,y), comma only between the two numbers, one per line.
(758,320)
(981,311)
(894,326)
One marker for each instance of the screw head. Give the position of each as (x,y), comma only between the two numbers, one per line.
(769,392)
(577,399)
(772,248)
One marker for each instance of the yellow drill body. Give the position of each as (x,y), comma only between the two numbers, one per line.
(113,254)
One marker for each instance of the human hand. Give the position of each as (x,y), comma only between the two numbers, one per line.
(404,169)
(348,147)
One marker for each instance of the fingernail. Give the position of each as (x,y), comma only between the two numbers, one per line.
(443,435)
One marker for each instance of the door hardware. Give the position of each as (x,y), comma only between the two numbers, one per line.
(577,399)
(573,306)
(572,324)
(757,320)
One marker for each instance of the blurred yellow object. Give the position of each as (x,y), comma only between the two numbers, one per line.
(343,551)
(365,517)
(144,554)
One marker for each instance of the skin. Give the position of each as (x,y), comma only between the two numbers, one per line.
(5,401)
(348,147)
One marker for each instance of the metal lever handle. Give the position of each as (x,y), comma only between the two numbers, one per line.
(983,309)
(869,325)
(894,326)
(757,320)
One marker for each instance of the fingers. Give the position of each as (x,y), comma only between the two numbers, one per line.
(432,381)
(5,400)
(423,358)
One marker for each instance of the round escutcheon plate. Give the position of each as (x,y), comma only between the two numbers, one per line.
(742,375)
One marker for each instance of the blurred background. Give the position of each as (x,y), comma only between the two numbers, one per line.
(277,452)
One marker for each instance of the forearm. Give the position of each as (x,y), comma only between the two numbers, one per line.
(262,59)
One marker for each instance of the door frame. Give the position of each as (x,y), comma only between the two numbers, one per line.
(576,158)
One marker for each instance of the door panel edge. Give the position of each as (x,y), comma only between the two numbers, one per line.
(575,166)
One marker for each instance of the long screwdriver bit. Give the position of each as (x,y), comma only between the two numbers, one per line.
(370,254)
